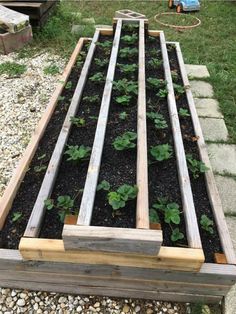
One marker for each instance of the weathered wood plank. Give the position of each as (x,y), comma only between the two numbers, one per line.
(213,193)
(142,209)
(192,230)
(35,220)
(86,206)
(13,186)
(105,239)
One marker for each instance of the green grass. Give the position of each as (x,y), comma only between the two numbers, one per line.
(212,44)
(12,69)
(51,70)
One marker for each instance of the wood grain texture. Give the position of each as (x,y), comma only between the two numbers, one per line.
(213,193)
(18,175)
(142,208)
(87,202)
(192,230)
(36,218)
(105,239)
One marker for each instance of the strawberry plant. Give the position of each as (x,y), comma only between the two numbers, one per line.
(170,210)
(184,112)
(125,141)
(176,235)
(155,63)
(153,82)
(174,75)
(101,62)
(123,100)
(91,99)
(153,216)
(123,115)
(126,87)
(97,77)
(197,167)
(117,199)
(77,153)
(105,44)
(179,90)
(207,224)
(161,152)
(16,216)
(128,52)
(162,93)
(77,121)
(127,68)
(64,204)
(130,27)
(158,119)
(104,185)
(130,39)
(68,85)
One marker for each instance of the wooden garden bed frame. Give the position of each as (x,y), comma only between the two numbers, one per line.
(172,274)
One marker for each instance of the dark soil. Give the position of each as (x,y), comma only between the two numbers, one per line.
(211,243)
(29,188)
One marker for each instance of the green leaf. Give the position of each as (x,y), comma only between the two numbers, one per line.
(65,202)
(16,216)
(128,192)
(207,224)
(153,216)
(77,121)
(62,215)
(161,152)
(123,100)
(49,204)
(77,153)
(172,213)
(115,200)
(176,235)
(126,141)
(104,185)
(184,112)
(39,168)
(123,115)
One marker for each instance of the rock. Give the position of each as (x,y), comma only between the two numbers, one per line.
(97,304)
(21,302)
(62,300)
(149,311)
(126,308)
(79,309)
(137,309)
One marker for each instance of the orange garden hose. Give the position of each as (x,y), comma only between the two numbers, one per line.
(177,26)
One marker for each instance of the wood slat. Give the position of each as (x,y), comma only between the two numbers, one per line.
(191,223)
(105,239)
(86,207)
(18,175)
(35,220)
(142,209)
(213,193)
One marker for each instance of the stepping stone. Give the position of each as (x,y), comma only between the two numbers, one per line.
(227,190)
(89,20)
(197,71)
(223,158)
(207,107)
(201,89)
(214,129)
(77,29)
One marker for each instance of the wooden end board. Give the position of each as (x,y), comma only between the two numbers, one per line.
(173,258)
(105,239)
(13,186)
(212,190)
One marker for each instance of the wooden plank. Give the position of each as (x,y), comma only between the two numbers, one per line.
(220,258)
(213,193)
(105,31)
(168,258)
(86,206)
(36,218)
(142,209)
(191,223)
(105,239)
(18,175)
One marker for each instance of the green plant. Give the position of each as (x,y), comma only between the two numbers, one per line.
(68,85)
(64,204)
(97,77)
(117,199)
(176,235)
(123,100)
(61,98)
(153,216)
(174,75)
(78,153)
(128,52)
(91,99)
(93,117)
(127,68)
(130,39)
(125,141)
(179,90)
(17,216)
(195,166)
(170,210)
(51,70)
(39,168)
(156,83)
(130,27)
(184,112)
(79,122)
(105,44)
(12,69)
(161,152)
(162,93)
(158,119)
(207,224)
(126,87)
(123,115)
(104,185)
(101,62)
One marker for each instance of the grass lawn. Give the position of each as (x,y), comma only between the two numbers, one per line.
(212,44)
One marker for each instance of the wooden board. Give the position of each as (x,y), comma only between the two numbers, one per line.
(105,239)
(37,215)
(18,175)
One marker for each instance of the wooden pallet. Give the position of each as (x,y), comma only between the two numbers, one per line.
(38,11)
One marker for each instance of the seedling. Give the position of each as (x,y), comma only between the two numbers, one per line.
(158,119)
(78,153)
(161,152)
(127,68)
(123,100)
(126,141)
(79,122)
(40,168)
(207,224)
(130,39)
(184,112)
(104,185)
(176,235)
(91,99)
(12,69)
(64,204)
(68,85)
(162,93)
(16,216)
(51,70)
(97,77)
(195,166)
(156,83)
(179,90)
(123,115)
(101,62)
(123,194)
(126,87)
(105,44)
(128,52)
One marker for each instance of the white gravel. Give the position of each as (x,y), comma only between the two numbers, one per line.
(22,101)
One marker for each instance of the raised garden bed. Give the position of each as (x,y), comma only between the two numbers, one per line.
(116,173)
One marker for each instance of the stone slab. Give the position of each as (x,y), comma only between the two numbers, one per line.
(227,190)
(89,20)
(223,158)
(197,71)
(214,129)
(77,29)
(208,108)
(201,89)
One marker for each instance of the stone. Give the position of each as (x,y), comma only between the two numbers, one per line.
(207,108)
(223,158)
(126,308)
(21,302)
(230,301)
(77,29)
(197,71)
(201,89)
(227,190)
(214,129)
(89,20)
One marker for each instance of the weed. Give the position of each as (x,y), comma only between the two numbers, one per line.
(158,119)
(51,70)
(184,112)
(78,153)
(161,152)
(12,69)
(128,52)
(79,122)
(197,167)
(126,141)
(61,98)
(68,85)
(123,194)
(17,216)
(40,168)
(207,224)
